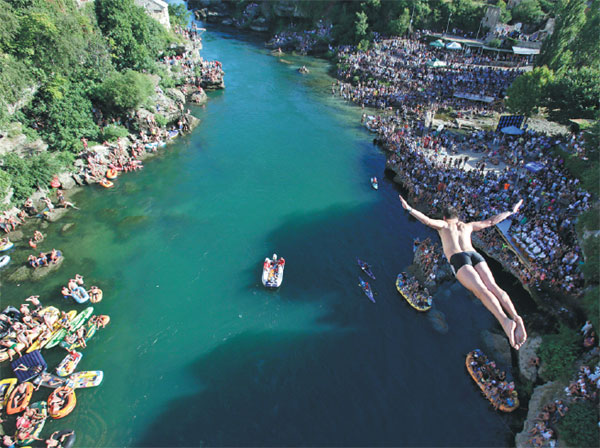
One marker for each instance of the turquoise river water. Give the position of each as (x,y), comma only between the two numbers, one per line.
(198,352)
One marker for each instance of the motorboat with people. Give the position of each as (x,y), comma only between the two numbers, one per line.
(416,296)
(374,183)
(272,275)
(366,267)
(366,289)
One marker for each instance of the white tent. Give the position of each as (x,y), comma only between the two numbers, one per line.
(454,46)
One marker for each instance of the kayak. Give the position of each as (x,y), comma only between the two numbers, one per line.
(12,407)
(374,183)
(83,380)
(272,275)
(67,366)
(6,387)
(80,295)
(49,380)
(90,330)
(365,267)
(65,438)
(61,332)
(505,404)
(70,400)
(366,289)
(4,260)
(37,425)
(418,302)
(7,246)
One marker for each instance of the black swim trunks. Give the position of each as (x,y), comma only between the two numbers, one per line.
(460,259)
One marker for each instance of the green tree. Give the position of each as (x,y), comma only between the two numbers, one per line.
(579,427)
(135,39)
(361,26)
(179,15)
(124,91)
(505,14)
(528,91)
(400,26)
(528,12)
(558,353)
(570,18)
(9,28)
(574,94)
(586,46)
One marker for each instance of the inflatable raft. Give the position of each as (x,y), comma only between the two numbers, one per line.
(69,402)
(68,365)
(4,260)
(6,387)
(17,402)
(83,380)
(36,425)
(7,246)
(272,275)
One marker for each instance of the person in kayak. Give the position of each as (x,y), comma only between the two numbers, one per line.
(471,269)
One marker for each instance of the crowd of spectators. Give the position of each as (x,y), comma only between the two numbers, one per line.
(437,166)
(303,41)
(496,387)
(400,72)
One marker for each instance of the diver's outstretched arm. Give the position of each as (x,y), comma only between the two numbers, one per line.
(436,224)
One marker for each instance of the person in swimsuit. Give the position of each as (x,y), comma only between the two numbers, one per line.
(470,268)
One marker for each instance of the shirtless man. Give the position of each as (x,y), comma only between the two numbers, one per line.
(470,268)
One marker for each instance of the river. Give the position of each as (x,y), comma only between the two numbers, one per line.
(198,352)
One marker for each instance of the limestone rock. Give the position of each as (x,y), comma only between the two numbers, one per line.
(541,396)
(526,353)
(68,226)
(21,274)
(199,97)
(498,348)
(43,271)
(56,214)
(15,235)
(66,181)
(176,95)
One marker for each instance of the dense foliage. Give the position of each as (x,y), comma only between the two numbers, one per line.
(579,427)
(58,61)
(558,353)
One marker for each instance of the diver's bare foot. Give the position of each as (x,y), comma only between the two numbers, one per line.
(520,333)
(509,326)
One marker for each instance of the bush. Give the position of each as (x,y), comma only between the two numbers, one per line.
(161,121)
(124,91)
(113,132)
(26,175)
(591,301)
(591,267)
(579,427)
(558,353)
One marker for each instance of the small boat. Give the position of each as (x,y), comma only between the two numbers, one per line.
(272,275)
(83,380)
(4,260)
(111,174)
(18,402)
(106,183)
(476,362)
(370,124)
(69,400)
(374,183)
(366,289)
(420,301)
(6,246)
(6,387)
(366,267)
(303,70)
(68,365)
(36,425)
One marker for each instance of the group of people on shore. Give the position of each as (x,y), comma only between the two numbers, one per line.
(303,41)
(430,257)
(396,73)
